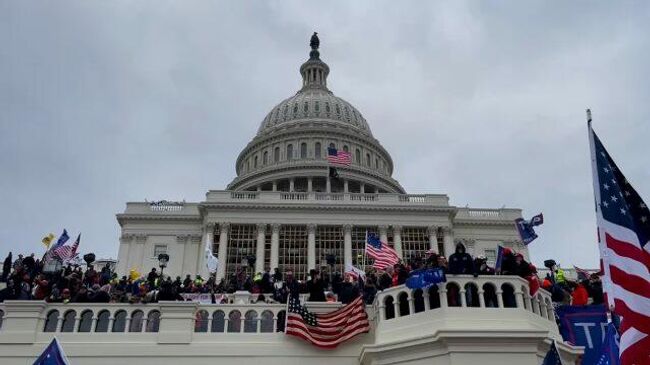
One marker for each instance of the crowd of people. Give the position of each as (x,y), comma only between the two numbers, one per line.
(26,280)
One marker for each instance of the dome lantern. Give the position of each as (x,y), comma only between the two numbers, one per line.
(314,72)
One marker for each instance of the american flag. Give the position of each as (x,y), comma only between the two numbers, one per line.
(623,233)
(338,157)
(552,356)
(383,254)
(582,274)
(67,252)
(330,329)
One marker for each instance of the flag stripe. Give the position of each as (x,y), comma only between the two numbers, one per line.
(630,282)
(624,249)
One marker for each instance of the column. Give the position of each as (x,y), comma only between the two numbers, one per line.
(259,187)
(275,186)
(275,245)
(345,186)
(362,188)
(397,240)
(292,183)
(376,190)
(208,239)
(310,184)
(448,240)
(433,238)
(347,245)
(383,234)
(328,185)
(223,250)
(311,246)
(259,252)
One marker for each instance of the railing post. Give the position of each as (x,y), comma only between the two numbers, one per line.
(411,303)
(519,298)
(481,298)
(500,298)
(463,299)
(20,323)
(382,312)
(77,319)
(177,322)
(396,306)
(425,297)
(442,292)
(93,325)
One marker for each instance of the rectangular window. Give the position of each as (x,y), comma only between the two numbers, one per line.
(415,242)
(159,249)
(329,241)
(293,250)
(491,256)
(359,257)
(242,240)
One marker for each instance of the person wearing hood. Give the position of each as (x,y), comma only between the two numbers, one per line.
(460,262)
(315,287)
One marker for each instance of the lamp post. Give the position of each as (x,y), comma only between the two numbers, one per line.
(163,259)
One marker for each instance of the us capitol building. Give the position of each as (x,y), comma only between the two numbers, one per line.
(284,209)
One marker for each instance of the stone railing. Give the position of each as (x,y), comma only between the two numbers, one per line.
(225,196)
(473,214)
(464,292)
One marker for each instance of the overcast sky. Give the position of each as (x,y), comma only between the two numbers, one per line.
(104,102)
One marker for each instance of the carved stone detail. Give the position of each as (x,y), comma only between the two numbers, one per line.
(261,227)
(311,228)
(347,228)
(275,227)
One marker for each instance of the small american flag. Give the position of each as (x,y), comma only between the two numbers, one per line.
(67,252)
(623,235)
(338,157)
(552,356)
(383,254)
(330,329)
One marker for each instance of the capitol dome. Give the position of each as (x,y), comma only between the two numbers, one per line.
(289,151)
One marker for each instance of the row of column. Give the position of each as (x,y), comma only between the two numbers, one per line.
(224,229)
(328,186)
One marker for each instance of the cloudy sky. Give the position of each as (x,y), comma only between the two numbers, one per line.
(104,102)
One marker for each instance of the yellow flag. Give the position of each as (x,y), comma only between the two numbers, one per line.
(48,239)
(134,274)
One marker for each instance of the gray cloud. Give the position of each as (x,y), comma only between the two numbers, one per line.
(107,102)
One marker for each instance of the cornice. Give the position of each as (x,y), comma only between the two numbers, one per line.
(273,206)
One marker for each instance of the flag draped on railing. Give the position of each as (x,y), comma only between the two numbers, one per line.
(327,330)
(623,234)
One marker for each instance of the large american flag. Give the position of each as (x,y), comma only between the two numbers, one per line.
(623,233)
(383,254)
(66,253)
(330,329)
(338,157)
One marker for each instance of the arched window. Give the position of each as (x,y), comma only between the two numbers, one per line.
(357,156)
(137,317)
(418,300)
(376,163)
(234,321)
(345,148)
(317,150)
(119,323)
(248,165)
(403,304)
(289,152)
(265,158)
(471,295)
(201,321)
(434,297)
(68,321)
(153,321)
(218,321)
(255,162)
(282,317)
(266,323)
(276,154)
(453,295)
(102,321)
(368,159)
(490,296)
(389,307)
(86,321)
(51,321)
(250,322)
(2,314)
(509,300)
(303,150)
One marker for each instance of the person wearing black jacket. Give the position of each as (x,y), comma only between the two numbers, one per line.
(315,287)
(6,268)
(349,290)
(460,262)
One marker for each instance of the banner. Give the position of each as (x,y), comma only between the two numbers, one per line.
(584,326)
(204,298)
(425,277)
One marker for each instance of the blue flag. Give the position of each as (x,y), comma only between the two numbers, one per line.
(609,354)
(497,265)
(552,356)
(425,277)
(53,355)
(526,231)
(584,325)
(61,241)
